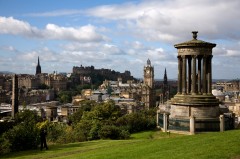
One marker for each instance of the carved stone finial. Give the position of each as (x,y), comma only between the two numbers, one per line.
(195,34)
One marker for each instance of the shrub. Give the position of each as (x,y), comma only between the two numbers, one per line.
(5,126)
(109,132)
(136,122)
(23,136)
(67,136)
(4,146)
(124,134)
(84,127)
(93,134)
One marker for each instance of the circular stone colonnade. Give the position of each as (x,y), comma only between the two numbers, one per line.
(194,98)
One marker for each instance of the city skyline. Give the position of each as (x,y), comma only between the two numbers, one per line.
(118,34)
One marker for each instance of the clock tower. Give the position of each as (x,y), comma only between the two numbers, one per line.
(148,92)
(148,74)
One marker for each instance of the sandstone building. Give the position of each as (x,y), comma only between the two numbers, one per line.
(141,92)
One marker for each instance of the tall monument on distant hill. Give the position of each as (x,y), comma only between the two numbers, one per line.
(14,95)
(194,98)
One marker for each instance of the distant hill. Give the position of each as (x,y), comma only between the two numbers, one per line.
(6,72)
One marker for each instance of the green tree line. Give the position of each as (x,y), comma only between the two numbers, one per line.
(92,121)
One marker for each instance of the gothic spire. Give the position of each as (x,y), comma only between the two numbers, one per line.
(165,77)
(38,68)
(38,62)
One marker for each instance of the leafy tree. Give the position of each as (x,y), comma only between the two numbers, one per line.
(27,116)
(94,131)
(86,106)
(84,127)
(135,122)
(66,96)
(107,111)
(25,134)
(100,111)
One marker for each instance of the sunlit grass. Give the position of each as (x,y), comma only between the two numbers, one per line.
(148,144)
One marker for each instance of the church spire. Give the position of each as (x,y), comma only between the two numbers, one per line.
(165,77)
(38,62)
(38,68)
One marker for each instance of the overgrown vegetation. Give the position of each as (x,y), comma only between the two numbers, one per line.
(91,122)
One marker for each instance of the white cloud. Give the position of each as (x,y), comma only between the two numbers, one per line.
(139,30)
(173,20)
(16,27)
(55,13)
(85,33)
(8,48)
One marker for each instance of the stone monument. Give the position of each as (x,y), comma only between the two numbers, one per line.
(14,95)
(194,101)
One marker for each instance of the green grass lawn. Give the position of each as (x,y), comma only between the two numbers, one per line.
(146,145)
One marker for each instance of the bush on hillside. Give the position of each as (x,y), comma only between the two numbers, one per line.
(139,121)
(55,131)
(4,146)
(24,135)
(113,132)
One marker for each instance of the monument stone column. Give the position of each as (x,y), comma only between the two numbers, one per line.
(189,74)
(179,75)
(199,74)
(194,74)
(184,75)
(210,75)
(204,81)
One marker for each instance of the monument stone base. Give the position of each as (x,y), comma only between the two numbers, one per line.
(204,108)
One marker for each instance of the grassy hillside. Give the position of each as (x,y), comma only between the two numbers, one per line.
(151,145)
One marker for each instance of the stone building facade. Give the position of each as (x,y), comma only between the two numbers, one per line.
(141,92)
(54,80)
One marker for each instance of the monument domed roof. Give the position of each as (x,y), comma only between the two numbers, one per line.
(195,42)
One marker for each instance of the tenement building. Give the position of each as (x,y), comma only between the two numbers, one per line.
(54,80)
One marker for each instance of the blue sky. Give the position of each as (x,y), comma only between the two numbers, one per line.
(119,35)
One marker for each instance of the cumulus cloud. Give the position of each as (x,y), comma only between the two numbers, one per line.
(139,30)
(17,27)
(171,20)
(85,33)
